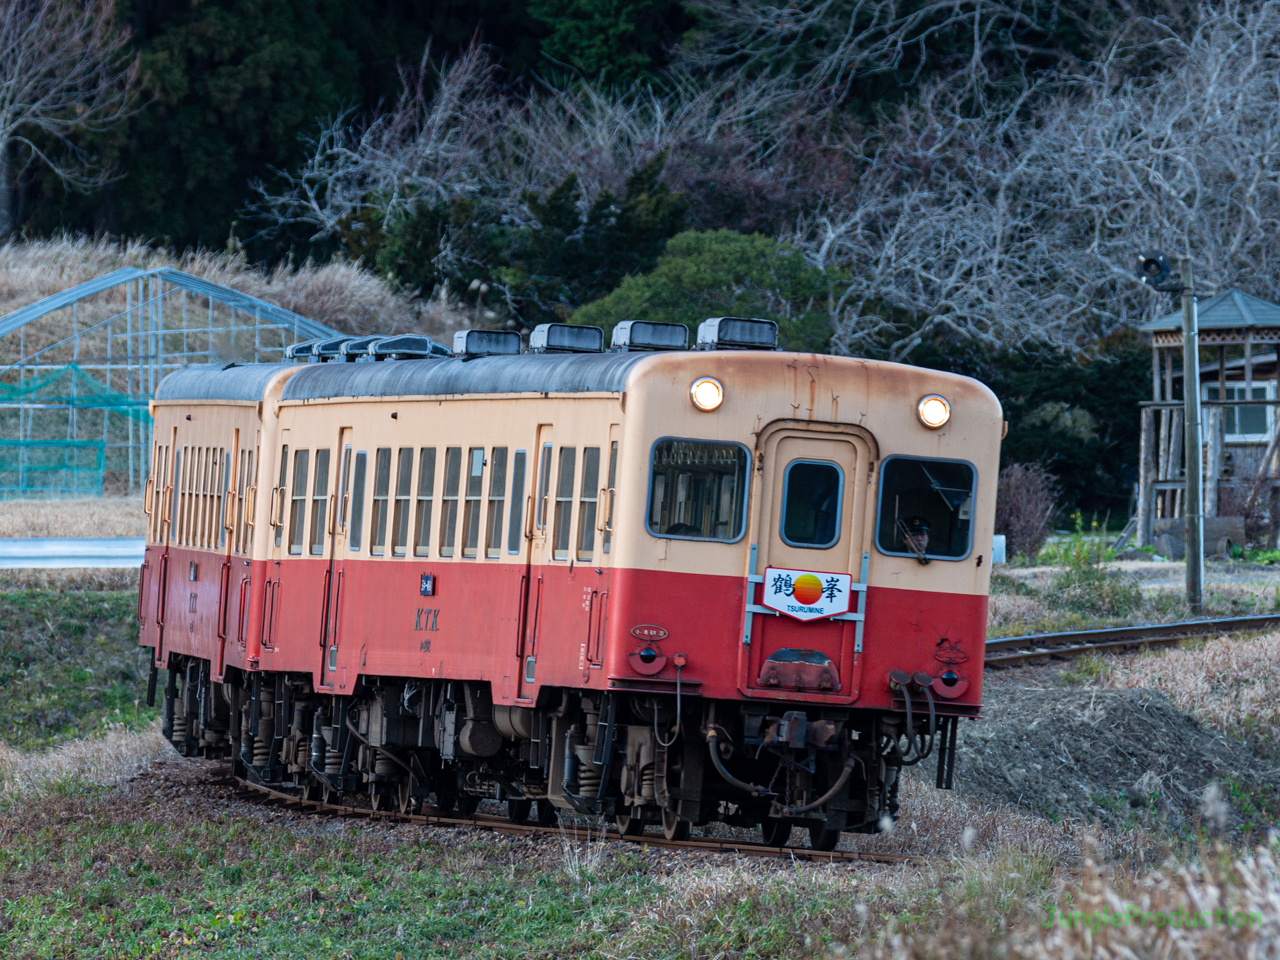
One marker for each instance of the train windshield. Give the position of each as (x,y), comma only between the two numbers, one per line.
(698,490)
(926,508)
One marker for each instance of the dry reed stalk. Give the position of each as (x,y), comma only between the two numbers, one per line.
(99,517)
(1229,684)
(346,296)
(69,579)
(110,759)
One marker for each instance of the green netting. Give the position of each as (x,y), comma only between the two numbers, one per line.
(51,468)
(70,386)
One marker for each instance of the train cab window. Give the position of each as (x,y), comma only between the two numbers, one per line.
(698,490)
(564,502)
(475,492)
(926,508)
(298,506)
(517,501)
(811,499)
(381,490)
(449,501)
(278,520)
(607,539)
(404,491)
(497,503)
(426,486)
(320,502)
(588,505)
(357,502)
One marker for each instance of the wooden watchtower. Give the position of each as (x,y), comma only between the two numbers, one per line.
(1239,338)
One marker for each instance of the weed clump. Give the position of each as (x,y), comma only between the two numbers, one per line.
(1085,585)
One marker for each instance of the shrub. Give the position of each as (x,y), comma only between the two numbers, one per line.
(1026,498)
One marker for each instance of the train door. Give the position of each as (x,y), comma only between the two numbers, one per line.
(154,581)
(810,552)
(537,554)
(339,513)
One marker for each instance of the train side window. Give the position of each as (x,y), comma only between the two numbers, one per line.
(497,502)
(426,489)
(320,502)
(475,492)
(698,490)
(357,502)
(298,508)
(246,522)
(926,508)
(811,498)
(607,539)
(588,505)
(449,501)
(381,489)
(242,480)
(344,488)
(564,502)
(544,486)
(404,490)
(517,501)
(284,475)
(224,499)
(174,515)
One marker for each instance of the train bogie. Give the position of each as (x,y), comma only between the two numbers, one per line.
(669,588)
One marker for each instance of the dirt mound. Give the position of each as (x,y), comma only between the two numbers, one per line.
(1116,756)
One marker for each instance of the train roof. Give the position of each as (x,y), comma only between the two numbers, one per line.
(523,373)
(220,381)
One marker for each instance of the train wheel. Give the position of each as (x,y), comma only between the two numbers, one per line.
(629,826)
(775,832)
(673,828)
(465,805)
(547,815)
(406,802)
(518,810)
(312,791)
(377,799)
(329,795)
(820,838)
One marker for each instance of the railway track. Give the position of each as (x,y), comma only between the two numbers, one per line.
(1014,651)
(268,797)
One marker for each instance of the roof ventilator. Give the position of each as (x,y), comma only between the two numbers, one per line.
(324,351)
(409,346)
(486,343)
(300,352)
(356,349)
(566,338)
(636,335)
(737,333)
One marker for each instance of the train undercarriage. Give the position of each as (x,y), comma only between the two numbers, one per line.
(640,758)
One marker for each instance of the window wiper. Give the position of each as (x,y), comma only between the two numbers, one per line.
(910,541)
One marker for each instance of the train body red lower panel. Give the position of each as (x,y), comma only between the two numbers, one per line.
(569,626)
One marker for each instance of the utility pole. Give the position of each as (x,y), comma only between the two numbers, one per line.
(1194,461)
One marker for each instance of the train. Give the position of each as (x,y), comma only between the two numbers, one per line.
(662,584)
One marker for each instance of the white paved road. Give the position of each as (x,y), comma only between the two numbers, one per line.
(50,552)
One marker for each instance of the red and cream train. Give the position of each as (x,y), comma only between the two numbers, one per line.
(664,585)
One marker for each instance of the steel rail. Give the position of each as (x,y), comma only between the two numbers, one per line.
(1012,651)
(264,795)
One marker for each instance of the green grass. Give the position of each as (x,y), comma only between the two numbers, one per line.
(69,663)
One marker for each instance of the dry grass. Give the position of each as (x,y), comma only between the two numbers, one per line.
(115,757)
(340,294)
(1229,684)
(1217,907)
(70,579)
(99,517)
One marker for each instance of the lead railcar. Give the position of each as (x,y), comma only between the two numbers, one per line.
(663,585)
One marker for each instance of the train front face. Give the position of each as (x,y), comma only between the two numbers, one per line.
(804,550)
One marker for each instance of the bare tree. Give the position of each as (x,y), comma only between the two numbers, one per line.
(64,70)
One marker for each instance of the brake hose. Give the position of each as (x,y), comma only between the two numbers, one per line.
(830,794)
(751,788)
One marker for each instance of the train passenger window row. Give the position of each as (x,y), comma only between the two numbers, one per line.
(402,501)
(244,486)
(202,480)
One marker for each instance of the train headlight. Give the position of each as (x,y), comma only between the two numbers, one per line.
(933,411)
(706,393)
